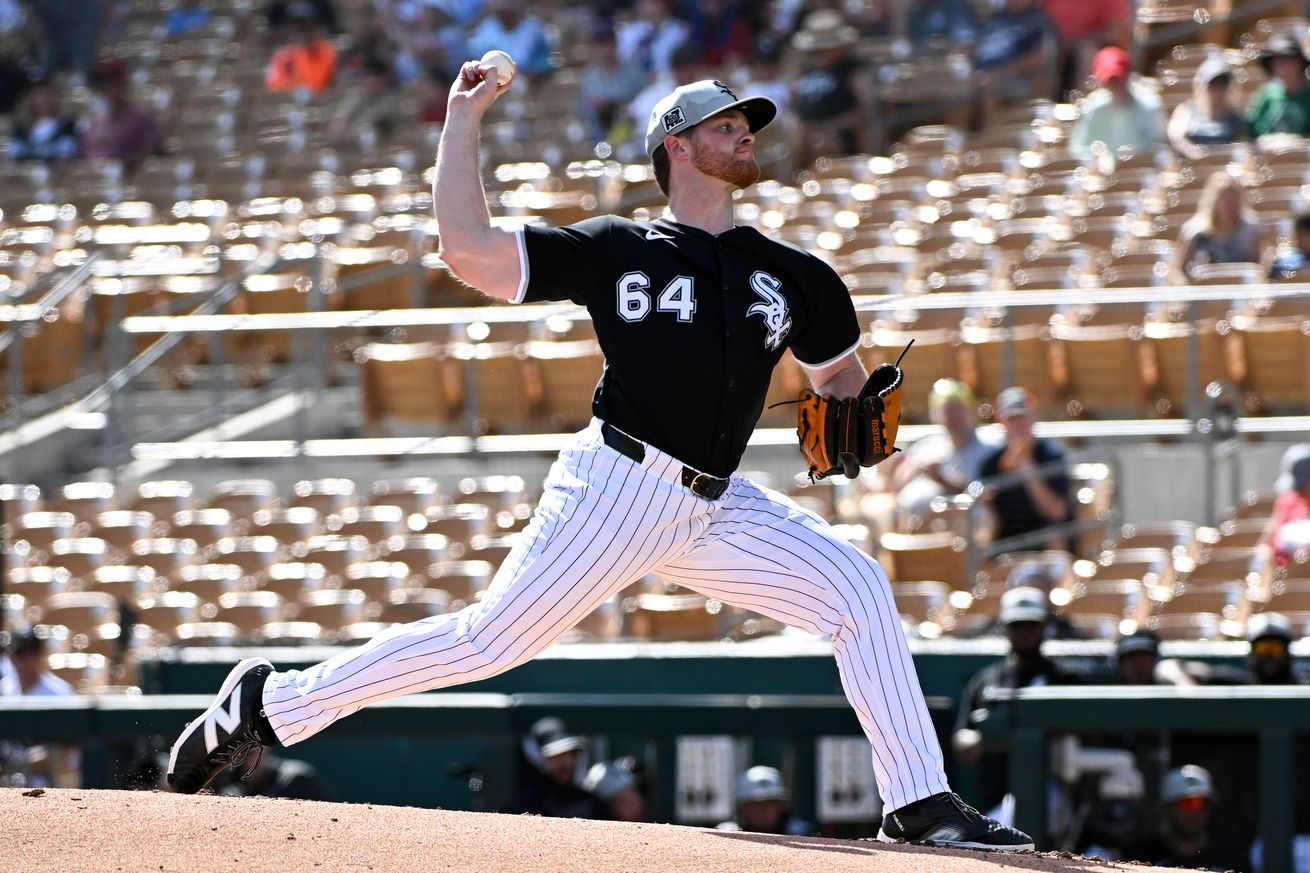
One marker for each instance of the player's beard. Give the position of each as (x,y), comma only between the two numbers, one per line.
(742,172)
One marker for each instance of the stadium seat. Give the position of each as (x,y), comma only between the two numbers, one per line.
(291,633)
(84,500)
(79,611)
(253,554)
(120,528)
(287,526)
(334,553)
(165,611)
(938,557)
(414,604)
(414,495)
(666,617)
(123,582)
(248,611)
(560,380)
(1273,363)
(407,384)
(374,523)
(243,497)
(36,583)
(290,579)
(1124,598)
(39,529)
(209,582)
(459,522)
(207,633)
(1101,371)
(202,526)
(80,556)
(327,497)
(377,579)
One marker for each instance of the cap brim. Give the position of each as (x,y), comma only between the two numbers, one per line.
(559,747)
(1015,615)
(1137,646)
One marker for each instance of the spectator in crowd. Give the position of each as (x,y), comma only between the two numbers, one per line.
(1034,492)
(25,763)
(373,104)
(1224,230)
(832,94)
(1041,576)
(307,60)
(284,14)
(424,41)
(762,800)
(981,736)
(1084,28)
(1137,661)
(549,779)
(119,129)
(1183,834)
(1270,659)
(275,776)
(952,21)
(685,69)
(650,39)
(619,786)
(509,28)
(1209,117)
(1119,116)
(1011,56)
(606,87)
(1289,527)
(720,32)
(185,16)
(1288,265)
(1282,104)
(40,130)
(941,464)
(71,29)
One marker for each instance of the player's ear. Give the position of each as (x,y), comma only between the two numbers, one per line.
(675,146)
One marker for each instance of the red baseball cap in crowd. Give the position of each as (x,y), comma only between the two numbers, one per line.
(1109,62)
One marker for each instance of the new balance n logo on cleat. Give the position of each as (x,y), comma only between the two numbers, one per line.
(229,721)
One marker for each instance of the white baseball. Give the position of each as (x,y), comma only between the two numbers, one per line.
(504,66)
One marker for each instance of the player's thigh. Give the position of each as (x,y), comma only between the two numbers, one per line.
(765,553)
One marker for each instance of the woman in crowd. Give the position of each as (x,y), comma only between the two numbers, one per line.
(40,131)
(1224,230)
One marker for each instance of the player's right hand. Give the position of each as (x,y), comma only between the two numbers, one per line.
(475,89)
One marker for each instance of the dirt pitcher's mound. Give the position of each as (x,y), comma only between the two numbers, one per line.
(124,830)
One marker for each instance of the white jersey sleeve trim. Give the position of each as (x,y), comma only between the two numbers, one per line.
(834,359)
(523,267)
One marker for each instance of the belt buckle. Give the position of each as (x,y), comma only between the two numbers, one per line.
(707,486)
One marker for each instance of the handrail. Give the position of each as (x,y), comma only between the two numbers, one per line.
(117,380)
(26,313)
(362,318)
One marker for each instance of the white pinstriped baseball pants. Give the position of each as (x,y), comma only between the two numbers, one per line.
(605,521)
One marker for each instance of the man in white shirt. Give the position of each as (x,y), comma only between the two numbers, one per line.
(1121,115)
(28,675)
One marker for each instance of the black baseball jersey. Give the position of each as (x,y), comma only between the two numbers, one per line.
(691,324)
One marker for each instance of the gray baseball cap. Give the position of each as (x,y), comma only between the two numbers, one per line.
(1186,781)
(689,105)
(760,783)
(1024,604)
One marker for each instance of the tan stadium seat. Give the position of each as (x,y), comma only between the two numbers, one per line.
(79,611)
(290,579)
(326,496)
(163,554)
(84,499)
(253,554)
(920,603)
(123,582)
(982,357)
(334,608)
(1124,598)
(1152,566)
(18,499)
(248,610)
(494,492)
(419,551)
(563,376)
(243,497)
(377,579)
(407,383)
(414,495)
(1240,533)
(82,670)
(120,528)
(335,553)
(498,384)
(414,604)
(938,557)
(1101,371)
(206,633)
(163,612)
(458,522)
(1169,344)
(207,581)
(288,526)
(36,584)
(1254,504)
(1192,626)
(204,526)
(375,523)
(1273,364)
(361,632)
(39,529)
(163,498)
(462,579)
(1222,565)
(109,640)
(672,617)
(291,633)
(493,550)
(80,556)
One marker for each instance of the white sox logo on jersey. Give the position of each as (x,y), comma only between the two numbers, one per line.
(774,308)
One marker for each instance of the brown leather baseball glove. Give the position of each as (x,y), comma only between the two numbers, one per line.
(841,435)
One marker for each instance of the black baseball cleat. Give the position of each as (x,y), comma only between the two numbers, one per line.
(224,735)
(946,820)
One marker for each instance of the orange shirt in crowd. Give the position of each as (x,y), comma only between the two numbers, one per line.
(304,65)
(1075,19)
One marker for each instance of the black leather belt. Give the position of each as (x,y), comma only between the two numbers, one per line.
(701,484)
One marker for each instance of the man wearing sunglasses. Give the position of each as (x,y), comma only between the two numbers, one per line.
(1270,659)
(1184,837)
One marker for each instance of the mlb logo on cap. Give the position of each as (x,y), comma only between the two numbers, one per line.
(674,118)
